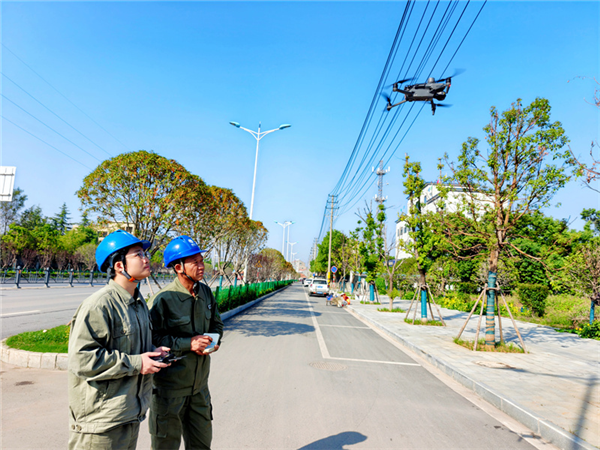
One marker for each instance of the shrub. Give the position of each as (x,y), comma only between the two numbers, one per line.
(467,288)
(590,331)
(533,296)
(393,293)
(380,285)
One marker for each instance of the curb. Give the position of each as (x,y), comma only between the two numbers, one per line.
(540,426)
(59,361)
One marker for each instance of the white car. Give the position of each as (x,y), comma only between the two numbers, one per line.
(307,282)
(318,286)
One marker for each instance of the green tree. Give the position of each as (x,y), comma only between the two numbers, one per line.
(141,189)
(47,243)
(9,211)
(319,264)
(16,241)
(32,217)
(426,243)
(61,220)
(525,164)
(592,216)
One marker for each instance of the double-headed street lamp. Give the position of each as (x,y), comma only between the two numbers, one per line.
(258,135)
(285,224)
(291,244)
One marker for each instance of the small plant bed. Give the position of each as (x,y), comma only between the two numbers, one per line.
(501,347)
(362,302)
(395,310)
(431,323)
(54,340)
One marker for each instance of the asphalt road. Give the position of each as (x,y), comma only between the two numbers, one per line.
(38,308)
(295,374)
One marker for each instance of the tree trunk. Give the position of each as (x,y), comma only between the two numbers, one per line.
(422,281)
(490,312)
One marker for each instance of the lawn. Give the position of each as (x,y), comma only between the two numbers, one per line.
(54,340)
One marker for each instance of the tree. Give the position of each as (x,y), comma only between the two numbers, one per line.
(32,217)
(142,189)
(86,255)
(592,216)
(61,220)
(524,165)
(17,240)
(426,244)
(47,243)
(9,211)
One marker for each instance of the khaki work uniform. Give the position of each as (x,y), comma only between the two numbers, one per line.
(181,399)
(108,397)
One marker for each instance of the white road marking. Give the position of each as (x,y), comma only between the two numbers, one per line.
(379,362)
(344,326)
(22,312)
(325,352)
(320,340)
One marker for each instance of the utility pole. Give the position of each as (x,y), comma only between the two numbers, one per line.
(330,236)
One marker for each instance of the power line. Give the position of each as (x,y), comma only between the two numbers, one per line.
(50,145)
(65,97)
(13,82)
(66,138)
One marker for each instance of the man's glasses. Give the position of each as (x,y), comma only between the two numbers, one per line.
(141,254)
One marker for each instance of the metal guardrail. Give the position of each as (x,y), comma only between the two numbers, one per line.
(21,277)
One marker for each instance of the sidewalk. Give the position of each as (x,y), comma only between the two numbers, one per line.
(553,390)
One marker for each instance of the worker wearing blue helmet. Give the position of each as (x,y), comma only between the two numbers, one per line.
(181,314)
(111,351)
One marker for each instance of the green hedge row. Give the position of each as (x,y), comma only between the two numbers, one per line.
(232,297)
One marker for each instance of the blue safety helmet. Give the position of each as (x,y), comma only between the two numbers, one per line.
(180,248)
(115,241)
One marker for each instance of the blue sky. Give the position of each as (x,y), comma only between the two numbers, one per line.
(169,77)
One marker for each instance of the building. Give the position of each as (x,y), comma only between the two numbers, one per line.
(430,201)
(105,230)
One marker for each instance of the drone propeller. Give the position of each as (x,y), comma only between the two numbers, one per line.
(442,105)
(456,73)
(388,100)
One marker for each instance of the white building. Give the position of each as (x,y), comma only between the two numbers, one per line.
(430,199)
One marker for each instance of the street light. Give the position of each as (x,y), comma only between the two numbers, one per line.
(287,250)
(291,244)
(284,225)
(258,135)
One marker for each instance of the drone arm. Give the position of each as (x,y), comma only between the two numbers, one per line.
(390,106)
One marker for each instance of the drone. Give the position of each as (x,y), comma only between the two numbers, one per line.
(423,92)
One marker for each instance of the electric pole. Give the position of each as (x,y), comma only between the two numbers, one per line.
(330,236)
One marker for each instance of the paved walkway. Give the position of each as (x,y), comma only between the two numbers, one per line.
(556,382)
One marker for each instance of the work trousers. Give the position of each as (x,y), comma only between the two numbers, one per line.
(123,437)
(190,416)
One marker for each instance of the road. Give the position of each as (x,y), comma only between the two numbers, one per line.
(295,374)
(33,309)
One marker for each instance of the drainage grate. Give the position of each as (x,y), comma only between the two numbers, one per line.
(494,365)
(332,367)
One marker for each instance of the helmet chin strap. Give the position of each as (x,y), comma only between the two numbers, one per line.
(196,283)
(129,277)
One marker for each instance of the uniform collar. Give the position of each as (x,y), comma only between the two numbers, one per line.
(179,287)
(125,296)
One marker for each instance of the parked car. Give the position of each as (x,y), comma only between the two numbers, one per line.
(318,287)
(307,282)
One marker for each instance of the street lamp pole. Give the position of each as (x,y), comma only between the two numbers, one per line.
(284,225)
(258,135)
(287,250)
(291,244)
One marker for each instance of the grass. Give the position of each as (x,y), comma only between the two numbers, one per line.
(362,302)
(501,347)
(394,310)
(54,340)
(431,323)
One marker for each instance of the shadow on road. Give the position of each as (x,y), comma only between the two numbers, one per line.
(268,328)
(337,442)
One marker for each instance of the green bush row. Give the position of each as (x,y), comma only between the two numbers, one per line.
(234,296)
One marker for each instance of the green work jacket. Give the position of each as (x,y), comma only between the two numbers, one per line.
(177,316)
(109,332)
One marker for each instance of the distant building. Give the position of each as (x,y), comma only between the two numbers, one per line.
(105,230)
(430,199)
